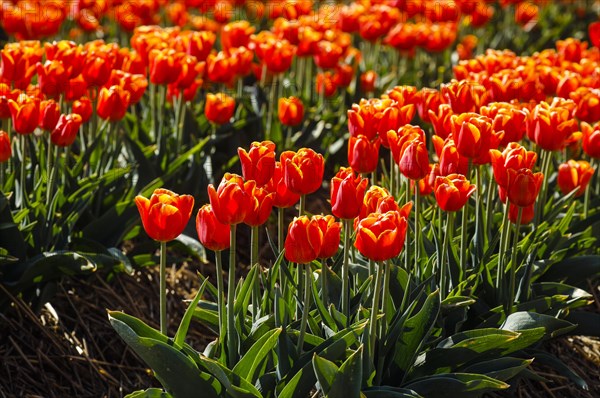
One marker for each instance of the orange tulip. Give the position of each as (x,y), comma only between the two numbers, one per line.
(523,186)
(464,95)
(303,170)
(53,78)
(231,201)
(303,241)
(283,197)
(550,126)
(414,162)
(5,149)
(474,136)
(25,114)
(363,154)
(442,120)
(290,111)
(591,139)
(513,157)
(165,214)
(83,107)
(113,103)
(236,34)
(65,132)
(258,164)
(574,175)
(347,193)
(261,205)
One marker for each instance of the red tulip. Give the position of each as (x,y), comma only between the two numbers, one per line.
(283,197)
(363,154)
(441,119)
(231,201)
(165,214)
(591,140)
(513,157)
(330,229)
(261,205)
(474,136)
(526,215)
(83,107)
(574,175)
(52,78)
(347,193)
(594,31)
(414,162)
(303,170)
(508,118)
(450,161)
(213,235)
(259,163)
(65,132)
(368,80)
(523,186)
(49,114)
(290,111)
(97,69)
(551,127)
(303,241)
(380,237)
(453,191)
(397,140)
(25,114)
(5,150)
(219,108)
(113,103)
(164,66)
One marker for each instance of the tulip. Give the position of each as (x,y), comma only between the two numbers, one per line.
(65,132)
(113,103)
(453,191)
(363,154)
(397,140)
(83,107)
(450,161)
(551,127)
(220,68)
(303,170)
(591,140)
(259,163)
(372,199)
(523,186)
(380,237)
(5,149)
(164,66)
(261,205)
(236,34)
(464,95)
(474,136)
(328,54)
(330,230)
(375,117)
(442,120)
(231,201)
(213,234)
(219,108)
(25,114)
(513,157)
(368,80)
(326,84)
(283,197)
(97,69)
(49,114)
(574,175)
(507,118)
(290,111)
(347,193)
(594,31)
(414,162)
(165,214)
(303,241)
(429,99)
(52,78)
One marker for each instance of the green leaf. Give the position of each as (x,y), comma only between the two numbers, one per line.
(325,371)
(348,379)
(553,327)
(178,374)
(193,247)
(149,393)
(415,331)
(187,317)
(574,270)
(251,361)
(500,368)
(206,313)
(390,392)
(462,385)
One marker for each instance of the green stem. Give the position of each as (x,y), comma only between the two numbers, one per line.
(372,271)
(304,321)
(302,205)
(463,242)
(52,178)
(324,286)
(392,173)
(513,264)
(345,270)
(541,201)
(478,219)
(163,288)
(272,104)
(442,263)
(179,119)
(418,236)
(221,296)
(374,312)
(504,237)
(254,262)
(22,176)
(232,338)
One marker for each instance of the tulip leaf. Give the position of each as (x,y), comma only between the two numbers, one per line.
(243,296)
(187,317)
(502,369)
(389,392)
(574,270)
(206,313)
(553,327)
(193,247)
(251,361)
(462,385)
(325,371)
(544,358)
(149,393)
(348,378)
(415,331)
(178,374)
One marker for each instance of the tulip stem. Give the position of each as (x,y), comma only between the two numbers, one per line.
(442,264)
(324,287)
(541,201)
(23,147)
(302,205)
(220,298)
(392,172)
(345,267)
(463,242)
(417,231)
(272,103)
(513,264)
(163,288)
(478,219)
(52,178)
(306,306)
(375,311)
(231,332)
(504,237)
(253,263)
(372,271)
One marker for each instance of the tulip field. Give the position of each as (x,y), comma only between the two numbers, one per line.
(286,199)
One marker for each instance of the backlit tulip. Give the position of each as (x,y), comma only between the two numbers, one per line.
(49,114)
(328,54)
(213,235)
(53,78)
(363,154)
(164,66)
(574,175)
(5,150)
(65,132)
(591,139)
(368,81)
(290,111)
(83,107)
(258,164)
(219,108)
(25,114)
(453,191)
(113,103)
(231,201)
(508,118)
(347,193)
(414,162)
(450,161)
(513,157)
(303,170)
(397,140)
(441,119)
(303,241)
(550,127)
(236,34)
(381,236)
(474,136)
(464,95)
(373,118)
(527,214)
(523,186)
(331,230)
(429,99)
(283,197)
(261,205)
(165,214)
(97,69)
